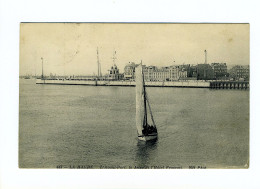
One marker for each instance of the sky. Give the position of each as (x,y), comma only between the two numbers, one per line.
(71,48)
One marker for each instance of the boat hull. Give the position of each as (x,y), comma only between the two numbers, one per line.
(148,137)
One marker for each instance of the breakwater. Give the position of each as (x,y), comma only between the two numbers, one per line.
(190,84)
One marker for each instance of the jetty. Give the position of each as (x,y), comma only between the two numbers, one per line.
(189,84)
(229,85)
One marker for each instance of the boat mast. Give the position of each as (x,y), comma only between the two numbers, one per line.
(98,64)
(42,67)
(114,57)
(145,108)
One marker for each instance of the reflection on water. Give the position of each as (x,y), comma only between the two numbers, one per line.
(145,151)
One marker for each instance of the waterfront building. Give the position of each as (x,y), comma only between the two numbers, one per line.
(240,72)
(180,72)
(168,73)
(183,71)
(220,70)
(193,72)
(149,73)
(129,71)
(113,74)
(153,73)
(174,73)
(204,72)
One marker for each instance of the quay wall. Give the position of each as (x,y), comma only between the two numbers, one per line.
(192,84)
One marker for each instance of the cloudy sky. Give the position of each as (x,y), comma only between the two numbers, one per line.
(70,48)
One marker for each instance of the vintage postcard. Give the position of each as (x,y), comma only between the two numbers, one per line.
(134,96)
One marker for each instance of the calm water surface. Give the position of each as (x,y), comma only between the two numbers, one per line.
(95,126)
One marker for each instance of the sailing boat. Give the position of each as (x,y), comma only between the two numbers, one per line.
(145,131)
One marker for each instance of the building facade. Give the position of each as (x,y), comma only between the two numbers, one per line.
(220,70)
(183,71)
(113,74)
(186,72)
(205,72)
(129,71)
(240,72)
(154,73)
(193,72)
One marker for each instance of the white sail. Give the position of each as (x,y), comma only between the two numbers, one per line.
(139,98)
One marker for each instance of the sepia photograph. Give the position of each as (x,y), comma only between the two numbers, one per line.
(134,96)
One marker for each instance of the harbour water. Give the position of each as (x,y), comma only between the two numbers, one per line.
(94,127)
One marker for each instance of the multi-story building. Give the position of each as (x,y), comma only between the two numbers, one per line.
(153,73)
(114,73)
(220,70)
(204,72)
(149,73)
(171,73)
(183,71)
(129,71)
(174,73)
(193,72)
(240,72)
